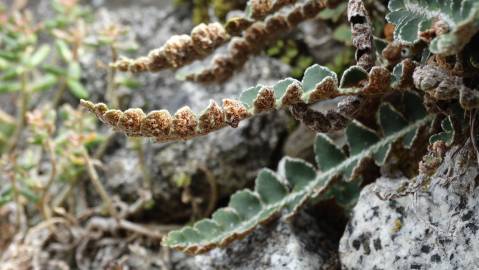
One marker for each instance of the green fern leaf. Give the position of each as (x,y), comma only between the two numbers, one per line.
(454,22)
(353,76)
(447,135)
(298,181)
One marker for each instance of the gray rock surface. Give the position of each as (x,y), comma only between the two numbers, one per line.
(318,36)
(439,230)
(279,245)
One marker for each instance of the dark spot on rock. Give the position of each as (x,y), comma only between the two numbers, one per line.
(367,249)
(377,244)
(416,266)
(472,226)
(435,258)
(467,216)
(356,244)
(451,257)
(444,241)
(425,249)
(462,203)
(375,211)
(400,210)
(394,236)
(349,228)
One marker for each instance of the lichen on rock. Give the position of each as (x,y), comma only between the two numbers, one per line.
(436,228)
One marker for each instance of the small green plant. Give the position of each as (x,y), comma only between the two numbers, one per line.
(43,59)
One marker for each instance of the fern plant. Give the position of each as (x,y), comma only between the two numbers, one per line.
(426,33)
(298,181)
(447,25)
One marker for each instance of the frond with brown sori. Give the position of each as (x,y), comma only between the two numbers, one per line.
(319,83)
(180,50)
(254,39)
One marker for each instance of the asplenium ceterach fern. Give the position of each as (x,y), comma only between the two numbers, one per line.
(445,26)
(297,181)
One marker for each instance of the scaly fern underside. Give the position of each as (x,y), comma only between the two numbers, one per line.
(319,83)
(440,84)
(255,38)
(181,50)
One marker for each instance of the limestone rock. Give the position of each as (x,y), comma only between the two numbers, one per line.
(439,230)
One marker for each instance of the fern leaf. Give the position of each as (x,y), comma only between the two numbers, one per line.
(441,85)
(402,74)
(254,39)
(259,9)
(448,133)
(451,23)
(362,33)
(255,11)
(298,181)
(318,83)
(181,50)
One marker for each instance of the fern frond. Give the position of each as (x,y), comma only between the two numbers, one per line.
(259,9)
(319,83)
(362,33)
(180,50)
(448,24)
(441,85)
(254,39)
(403,75)
(256,10)
(297,181)
(331,120)
(362,39)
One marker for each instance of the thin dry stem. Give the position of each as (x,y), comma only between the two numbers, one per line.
(105,197)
